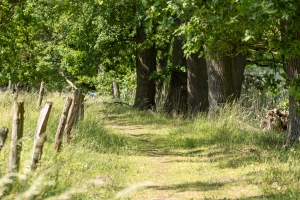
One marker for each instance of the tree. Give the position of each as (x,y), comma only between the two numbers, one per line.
(239,62)
(221,83)
(161,70)
(215,25)
(197,83)
(145,66)
(289,33)
(176,102)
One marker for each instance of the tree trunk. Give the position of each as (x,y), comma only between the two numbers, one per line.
(197,85)
(239,64)
(293,134)
(145,65)
(176,102)
(293,72)
(162,64)
(221,83)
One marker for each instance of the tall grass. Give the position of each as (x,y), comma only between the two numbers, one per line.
(91,161)
(100,160)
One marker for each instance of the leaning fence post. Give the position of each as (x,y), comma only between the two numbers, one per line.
(62,124)
(81,115)
(3,136)
(41,94)
(40,134)
(72,114)
(80,112)
(17,134)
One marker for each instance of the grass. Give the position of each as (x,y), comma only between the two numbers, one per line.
(118,152)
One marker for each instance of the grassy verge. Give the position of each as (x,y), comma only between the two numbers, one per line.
(91,163)
(224,155)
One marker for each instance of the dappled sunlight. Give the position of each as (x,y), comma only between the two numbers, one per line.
(121,150)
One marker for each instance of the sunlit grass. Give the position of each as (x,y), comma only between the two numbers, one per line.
(118,150)
(91,161)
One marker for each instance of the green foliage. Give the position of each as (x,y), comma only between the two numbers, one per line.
(295,88)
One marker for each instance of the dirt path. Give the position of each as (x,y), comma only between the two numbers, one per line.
(159,173)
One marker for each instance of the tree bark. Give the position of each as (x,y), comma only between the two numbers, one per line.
(145,65)
(239,64)
(221,83)
(293,134)
(197,85)
(162,64)
(176,102)
(293,72)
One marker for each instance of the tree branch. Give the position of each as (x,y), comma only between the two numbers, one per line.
(257,61)
(68,81)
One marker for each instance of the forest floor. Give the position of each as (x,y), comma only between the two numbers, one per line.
(161,171)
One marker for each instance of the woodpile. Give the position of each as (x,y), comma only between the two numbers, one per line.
(275,120)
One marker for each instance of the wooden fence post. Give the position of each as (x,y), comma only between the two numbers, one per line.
(62,124)
(116,90)
(81,116)
(80,112)
(40,134)
(72,114)
(17,134)
(41,94)
(3,136)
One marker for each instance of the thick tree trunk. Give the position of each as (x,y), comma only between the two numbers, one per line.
(145,65)
(197,85)
(293,72)
(239,64)
(221,83)
(176,102)
(293,134)
(162,64)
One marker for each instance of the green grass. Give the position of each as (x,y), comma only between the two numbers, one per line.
(118,151)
